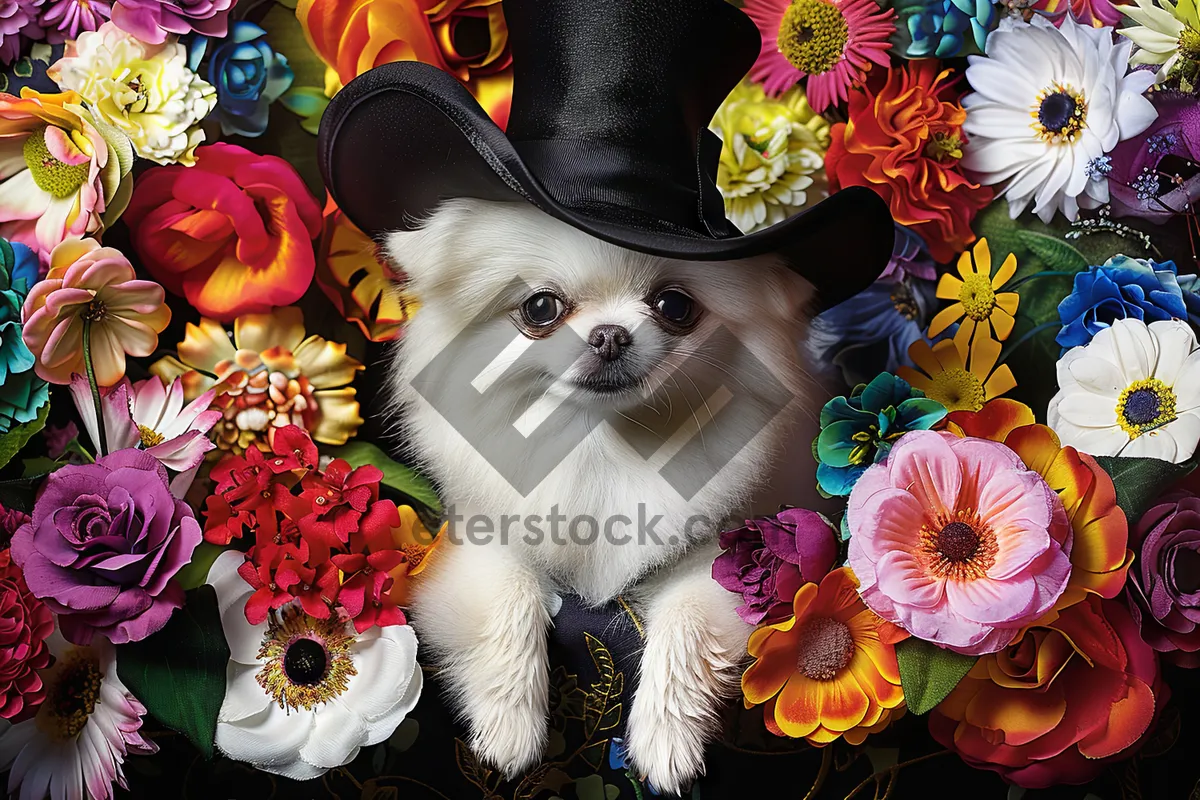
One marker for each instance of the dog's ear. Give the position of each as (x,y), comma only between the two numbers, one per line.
(422,253)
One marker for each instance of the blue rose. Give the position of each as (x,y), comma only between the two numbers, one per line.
(248,74)
(22,392)
(859,430)
(1121,288)
(945,28)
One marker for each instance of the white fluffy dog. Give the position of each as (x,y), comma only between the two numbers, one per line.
(656,348)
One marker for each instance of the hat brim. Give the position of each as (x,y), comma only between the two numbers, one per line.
(403,137)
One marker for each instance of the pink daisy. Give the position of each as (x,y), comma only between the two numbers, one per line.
(832,42)
(958,542)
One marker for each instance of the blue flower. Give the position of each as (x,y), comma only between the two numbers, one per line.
(248,74)
(618,758)
(859,430)
(1121,288)
(942,28)
(22,392)
(871,332)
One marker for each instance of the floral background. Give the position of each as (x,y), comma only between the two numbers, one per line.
(209,532)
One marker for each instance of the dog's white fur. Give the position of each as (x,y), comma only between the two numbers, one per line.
(484,610)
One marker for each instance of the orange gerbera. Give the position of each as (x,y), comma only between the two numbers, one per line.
(1100,557)
(829,670)
(904,141)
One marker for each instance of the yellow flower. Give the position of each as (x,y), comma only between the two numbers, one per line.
(978,299)
(959,377)
(772,157)
(269,376)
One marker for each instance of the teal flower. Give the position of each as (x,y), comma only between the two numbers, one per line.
(947,28)
(22,393)
(859,430)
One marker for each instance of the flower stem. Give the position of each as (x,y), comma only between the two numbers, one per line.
(91,376)
(1046,273)
(1029,334)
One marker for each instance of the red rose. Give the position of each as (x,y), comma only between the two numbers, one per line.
(1057,705)
(904,141)
(232,234)
(24,625)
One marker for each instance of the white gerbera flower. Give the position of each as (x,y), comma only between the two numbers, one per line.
(1166,33)
(1133,391)
(1048,101)
(303,695)
(76,743)
(146,91)
(772,157)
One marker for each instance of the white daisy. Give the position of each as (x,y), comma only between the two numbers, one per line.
(76,743)
(1048,101)
(1166,33)
(302,695)
(1133,391)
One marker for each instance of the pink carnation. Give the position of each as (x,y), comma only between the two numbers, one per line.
(958,542)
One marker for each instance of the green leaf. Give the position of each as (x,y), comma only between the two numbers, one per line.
(396,475)
(39,467)
(195,572)
(1054,253)
(179,672)
(19,494)
(12,442)
(305,101)
(928,673)
(1141,481)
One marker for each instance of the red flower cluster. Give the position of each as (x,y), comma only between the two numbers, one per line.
(321,537)
(25,622)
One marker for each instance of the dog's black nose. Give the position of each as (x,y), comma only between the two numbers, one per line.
(607,341)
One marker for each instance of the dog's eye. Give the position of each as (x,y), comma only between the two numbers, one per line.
(675,307)
(543,309)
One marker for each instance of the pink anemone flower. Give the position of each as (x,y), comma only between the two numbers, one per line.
(958,542)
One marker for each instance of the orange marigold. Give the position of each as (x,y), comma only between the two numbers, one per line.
(904,141)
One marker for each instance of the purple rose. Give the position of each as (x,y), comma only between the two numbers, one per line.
(18,26)
(769,559)
(153,20)
(103,544)
(1164,583)
(1140,182)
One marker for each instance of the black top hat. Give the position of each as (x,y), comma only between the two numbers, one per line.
(608,133)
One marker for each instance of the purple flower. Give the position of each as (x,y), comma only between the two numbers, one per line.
(10,520)
(1144,169)
(153,20)
(909,257)
(18,24)
(770,558)
(103,544)
(64,20)
(1164,583)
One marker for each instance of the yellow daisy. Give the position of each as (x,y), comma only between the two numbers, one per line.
(959,377)
(979,304)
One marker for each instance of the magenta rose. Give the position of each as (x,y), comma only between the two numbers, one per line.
(102,547)
(1164,583)
(154,20)
(770,558)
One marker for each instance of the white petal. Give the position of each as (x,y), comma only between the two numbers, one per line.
(1135,349)
(1086,410)
(1097,375)
(244,697)
(1186,432)
(269,739)
(1175,343)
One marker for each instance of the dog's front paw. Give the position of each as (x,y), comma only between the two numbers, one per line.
(665,746)
(508,730)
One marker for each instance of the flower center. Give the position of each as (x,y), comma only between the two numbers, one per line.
(1185,570)
(1189,44)
(95,311)
(826,647)
(813,35)
(958,546)
(944,146)
(1060,113)
(977,297)
(1144,406)
(957,542)
(149,437)
(306,661)
(52,176)
(71,696)
(904,301)
(957,389)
